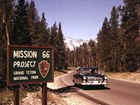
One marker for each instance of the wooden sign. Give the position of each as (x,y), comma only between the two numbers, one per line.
(29,65)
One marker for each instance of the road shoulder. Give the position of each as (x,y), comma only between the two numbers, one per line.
(68,93)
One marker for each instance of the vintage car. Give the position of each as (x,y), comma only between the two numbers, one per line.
(89,76)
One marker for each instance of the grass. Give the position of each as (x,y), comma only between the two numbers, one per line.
(6,97)
(127,76)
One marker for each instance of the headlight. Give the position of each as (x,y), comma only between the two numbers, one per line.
(84,77)
(105,77)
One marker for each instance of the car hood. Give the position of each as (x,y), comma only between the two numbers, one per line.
(94,75)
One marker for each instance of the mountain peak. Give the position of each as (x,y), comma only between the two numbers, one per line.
(72,43)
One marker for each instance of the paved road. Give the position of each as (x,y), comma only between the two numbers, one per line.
(115,93)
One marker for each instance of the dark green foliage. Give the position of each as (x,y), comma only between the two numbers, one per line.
(26,28)
(61,49)
(71,58)
(114,40)
(43,33)
(33,22)
(54,35)
(6,17)
(118,45)
(104,46)
(118,42)
(130,29)
(83,56)
(20,35)
(92,54)
(57,41)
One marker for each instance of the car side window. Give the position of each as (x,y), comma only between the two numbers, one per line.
(94,71)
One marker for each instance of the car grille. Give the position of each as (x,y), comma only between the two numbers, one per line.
(94,79)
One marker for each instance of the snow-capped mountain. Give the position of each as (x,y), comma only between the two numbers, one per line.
(73,43)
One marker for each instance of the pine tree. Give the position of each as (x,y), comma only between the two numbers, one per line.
(54,32)
(114,40)
(54,40)
(67,58)
(61,48)
(57,41)
(130,28)
(103,46)
(20,34)
(92,53)
(33,20)
(85,55)
(78,56)
(44,33)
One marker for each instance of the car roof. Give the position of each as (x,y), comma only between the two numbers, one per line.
(95,68)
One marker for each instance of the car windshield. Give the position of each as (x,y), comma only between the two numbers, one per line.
(84,71)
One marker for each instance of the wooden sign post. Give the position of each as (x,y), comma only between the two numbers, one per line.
(44,93)
(30,65)
(16,95)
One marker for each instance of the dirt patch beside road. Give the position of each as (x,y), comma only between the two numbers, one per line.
(68,94)
(129,77)
(58,94)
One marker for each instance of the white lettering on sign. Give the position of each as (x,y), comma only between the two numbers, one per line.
(18,72)
(24,54)
(46,54)
(34,77)
(24,64)
(21,78)
(30,72)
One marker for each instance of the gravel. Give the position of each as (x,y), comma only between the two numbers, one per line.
(62,98)
(70,97)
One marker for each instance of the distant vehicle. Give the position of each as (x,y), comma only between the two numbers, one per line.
(89,76)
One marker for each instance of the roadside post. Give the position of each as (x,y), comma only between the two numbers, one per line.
(16,95)
(30,65)
(44,93)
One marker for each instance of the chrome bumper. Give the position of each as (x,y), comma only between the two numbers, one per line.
(94,83)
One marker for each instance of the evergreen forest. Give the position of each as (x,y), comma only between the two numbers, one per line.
(117,48)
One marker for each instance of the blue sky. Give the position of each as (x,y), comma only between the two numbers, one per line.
(80,19)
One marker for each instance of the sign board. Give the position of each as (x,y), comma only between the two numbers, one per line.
(29,65)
